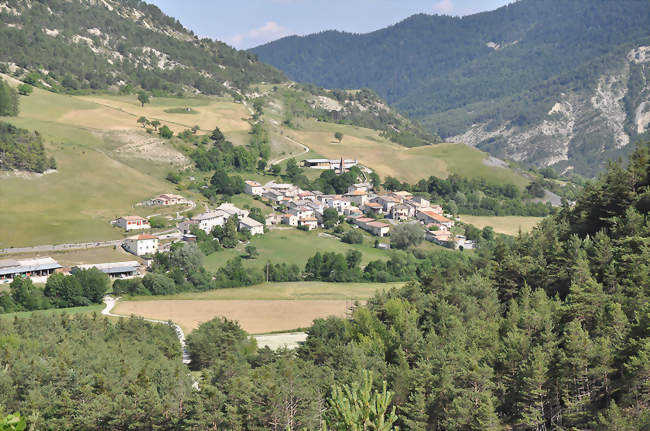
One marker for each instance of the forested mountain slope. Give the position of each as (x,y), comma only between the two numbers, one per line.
(97,44)
(545,81)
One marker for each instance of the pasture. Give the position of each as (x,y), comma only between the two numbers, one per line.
(509,225)
(291,245)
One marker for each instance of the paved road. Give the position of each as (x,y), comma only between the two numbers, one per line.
(168,234)
(61,247)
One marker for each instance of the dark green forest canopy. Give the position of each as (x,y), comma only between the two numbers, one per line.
(90,46)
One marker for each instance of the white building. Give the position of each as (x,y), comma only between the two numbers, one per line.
(253,226)
(358,197)
(254,188)
(302,212)
(132,223)
(340,204)
(232,210)
(207,221)
(141,245)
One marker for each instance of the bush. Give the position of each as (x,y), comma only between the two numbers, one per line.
(353,237)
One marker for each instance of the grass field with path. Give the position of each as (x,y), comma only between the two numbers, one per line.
(509,225)
(291,245)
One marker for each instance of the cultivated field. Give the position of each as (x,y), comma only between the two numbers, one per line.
(509,225)
(259,309)
(255,317)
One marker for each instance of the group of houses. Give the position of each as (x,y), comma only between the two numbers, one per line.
(361,205)
(211,219)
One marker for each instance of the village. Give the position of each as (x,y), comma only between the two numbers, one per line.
(361,207)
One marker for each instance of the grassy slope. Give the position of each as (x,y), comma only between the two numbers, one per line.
(509,225)
(93,184)
(292,246)
(391,159)
(283,291)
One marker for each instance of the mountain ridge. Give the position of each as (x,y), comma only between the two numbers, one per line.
(501,69)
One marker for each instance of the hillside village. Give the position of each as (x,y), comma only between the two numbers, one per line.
(361,207)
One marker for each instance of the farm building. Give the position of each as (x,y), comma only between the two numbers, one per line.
(253,226)
(129,223)
(254,188)
(41,267)
(141,245)
(113,270)
(329,164)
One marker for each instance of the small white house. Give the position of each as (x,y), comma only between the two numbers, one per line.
(132,223)
(254,188)
(253,226)
(290,219)
(141,245)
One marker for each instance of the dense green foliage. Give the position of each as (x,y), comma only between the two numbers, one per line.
(131,43)
(79,289)
(21,149)
(440,70)
(86,373)
(8,100)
